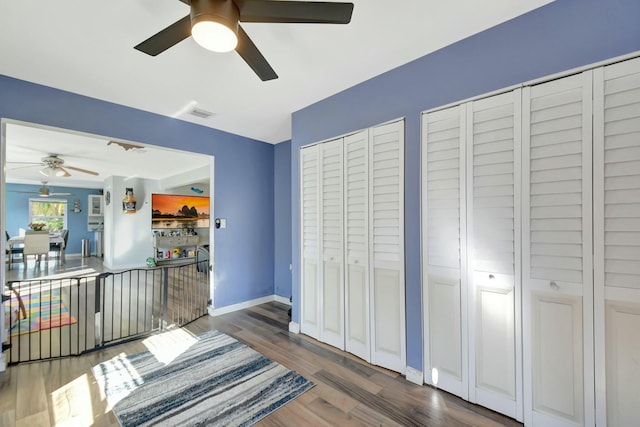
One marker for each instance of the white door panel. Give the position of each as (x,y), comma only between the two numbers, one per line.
(310,241)
(352,240)
(557,359)
(623,374)
(357,321)
(386,243)
(388,347)
(356,207)
(617,242)
(445,332)
(444,249)
(495,341)
(309,314)
(557,252)
(493,241)
(332,298)
(331,202)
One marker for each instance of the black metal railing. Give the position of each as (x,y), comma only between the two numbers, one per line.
(64,316)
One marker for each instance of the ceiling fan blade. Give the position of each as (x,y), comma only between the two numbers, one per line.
(317,12)
(252,56)
(81,170)
(61,194)
(66,172)
(166,38)
(25,165)
(23,192)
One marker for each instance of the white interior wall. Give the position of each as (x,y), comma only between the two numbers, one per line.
(128,237)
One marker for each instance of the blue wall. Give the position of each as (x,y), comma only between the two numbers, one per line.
(243,192)
(282,210)
(17,212)
(560,36)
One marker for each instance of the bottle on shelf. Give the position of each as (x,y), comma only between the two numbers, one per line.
(129,202)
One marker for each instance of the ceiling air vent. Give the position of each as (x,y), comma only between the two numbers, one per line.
(199,112)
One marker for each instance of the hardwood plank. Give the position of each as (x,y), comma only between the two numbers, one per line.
(365,415)
(32,399)
(375,402)
(333,415)
(339,357)
(348,391)
(38,419)
(279,325)
(293,414)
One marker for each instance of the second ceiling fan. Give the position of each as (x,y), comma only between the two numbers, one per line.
(214,24)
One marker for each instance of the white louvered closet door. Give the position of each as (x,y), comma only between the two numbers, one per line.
(386,224)
(331,232)
(557,253)
(444,249)
(310,241)
(356,212)
(493,224)
(617,242)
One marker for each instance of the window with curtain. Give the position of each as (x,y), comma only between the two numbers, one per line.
(50,212)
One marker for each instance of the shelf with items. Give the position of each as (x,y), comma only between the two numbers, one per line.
(175,248)
(95,205)
(95,212)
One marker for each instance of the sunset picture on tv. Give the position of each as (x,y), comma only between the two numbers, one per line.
(177,211)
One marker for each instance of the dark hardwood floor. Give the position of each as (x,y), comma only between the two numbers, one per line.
(348,391)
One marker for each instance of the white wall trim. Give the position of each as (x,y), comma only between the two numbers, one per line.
(294,327)
(414,376)
(281,299)
(218,311)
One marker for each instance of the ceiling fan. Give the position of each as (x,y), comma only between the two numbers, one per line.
(53,166)
(214,25)
(43,191)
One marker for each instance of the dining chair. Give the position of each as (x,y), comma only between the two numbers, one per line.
(56,247)
(12,251)
(36,243)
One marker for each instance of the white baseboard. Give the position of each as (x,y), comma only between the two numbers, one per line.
(283,300)
(217,311)
(413,375)
(294,327)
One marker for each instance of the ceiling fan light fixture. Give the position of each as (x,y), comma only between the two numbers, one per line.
(214,36)
(53,171)
(214,24)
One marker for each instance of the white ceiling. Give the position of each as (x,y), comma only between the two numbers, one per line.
(27,145)
(86,47)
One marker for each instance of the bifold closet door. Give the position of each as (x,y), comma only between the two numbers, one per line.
(356,214)
(493,240)
(444,249)
(557,252)
(386,243)
(617,242)
(331,243)
(310,241)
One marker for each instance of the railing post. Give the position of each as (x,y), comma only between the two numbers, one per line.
(99,321)
(165,297)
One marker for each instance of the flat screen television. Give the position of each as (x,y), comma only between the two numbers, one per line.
(177,211)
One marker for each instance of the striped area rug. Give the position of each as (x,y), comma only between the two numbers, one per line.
(217,380)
